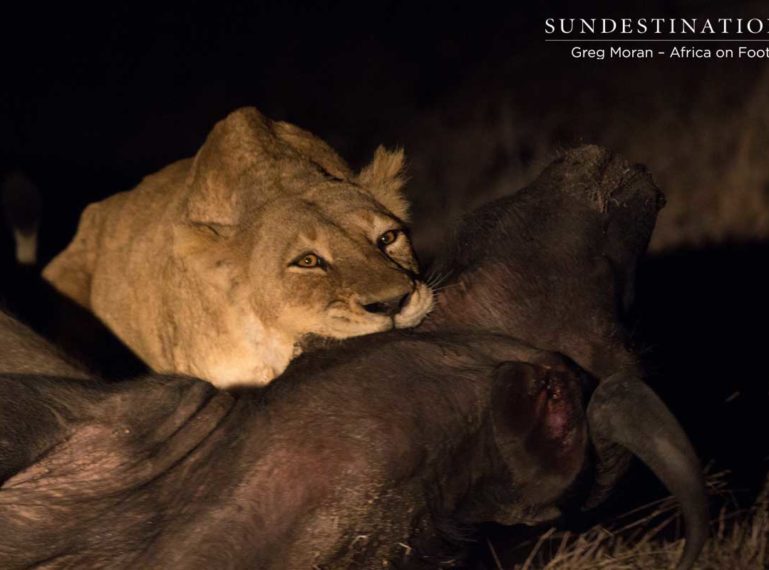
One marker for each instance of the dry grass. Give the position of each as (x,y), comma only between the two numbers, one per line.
(739,540)
(704,138)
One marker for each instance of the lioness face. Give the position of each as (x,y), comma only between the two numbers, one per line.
(337,268)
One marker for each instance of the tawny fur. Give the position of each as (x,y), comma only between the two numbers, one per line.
(193,268)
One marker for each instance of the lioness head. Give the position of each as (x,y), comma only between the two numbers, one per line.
(335,267)
(221,266)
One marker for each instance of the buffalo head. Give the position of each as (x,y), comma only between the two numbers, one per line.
(554,265)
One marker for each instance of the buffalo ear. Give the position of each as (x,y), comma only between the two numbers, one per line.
(513,409)
(232,158)
(384,178)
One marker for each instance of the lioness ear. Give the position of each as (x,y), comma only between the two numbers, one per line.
(71,271)
(384,178)
(232,157)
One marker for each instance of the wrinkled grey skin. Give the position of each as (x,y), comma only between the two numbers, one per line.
(350,460)
(555,263)
(372,452)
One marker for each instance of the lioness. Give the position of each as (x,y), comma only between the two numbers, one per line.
(219,266)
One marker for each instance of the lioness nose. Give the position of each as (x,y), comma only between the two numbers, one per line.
(388,307)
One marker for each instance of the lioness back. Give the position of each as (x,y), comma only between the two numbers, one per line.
(222,265)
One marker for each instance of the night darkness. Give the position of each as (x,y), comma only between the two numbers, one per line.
(104,96)
(94,98)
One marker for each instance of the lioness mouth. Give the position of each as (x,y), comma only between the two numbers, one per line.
(390,307)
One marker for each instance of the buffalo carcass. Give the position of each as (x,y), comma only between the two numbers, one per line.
(23,352)
(362,455)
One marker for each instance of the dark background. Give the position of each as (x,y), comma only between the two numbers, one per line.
(94,98)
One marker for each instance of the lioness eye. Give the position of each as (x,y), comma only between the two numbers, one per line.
(388,237)
(309,260)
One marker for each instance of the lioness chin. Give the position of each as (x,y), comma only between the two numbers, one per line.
(218,266)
